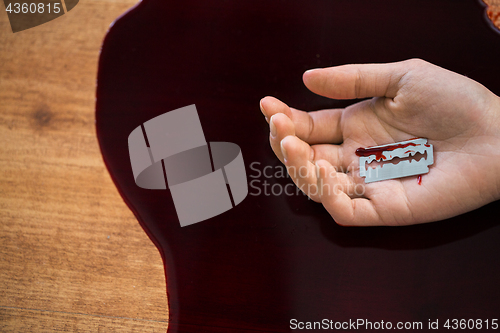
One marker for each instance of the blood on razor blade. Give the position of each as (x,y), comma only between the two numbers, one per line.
(385,153)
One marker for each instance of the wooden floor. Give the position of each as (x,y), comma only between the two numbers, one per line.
(72,256)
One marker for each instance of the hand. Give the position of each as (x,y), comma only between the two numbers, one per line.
(413,98)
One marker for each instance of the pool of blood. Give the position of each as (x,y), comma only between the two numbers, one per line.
(278,256)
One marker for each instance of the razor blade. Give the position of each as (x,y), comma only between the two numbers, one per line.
(385,153)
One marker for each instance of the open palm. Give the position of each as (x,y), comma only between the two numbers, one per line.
(413,98)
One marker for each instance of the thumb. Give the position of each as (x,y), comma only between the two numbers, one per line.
(359,81)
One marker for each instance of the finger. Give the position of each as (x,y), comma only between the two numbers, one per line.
(271,106)
(358,81)
(322,126)
(334,197)
(331,153)
(313,127)
(299,160)
(297,157)
(280,127)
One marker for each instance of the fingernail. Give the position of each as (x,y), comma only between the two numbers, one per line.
(267,119)
(261,107)
(283,151)
(273,127)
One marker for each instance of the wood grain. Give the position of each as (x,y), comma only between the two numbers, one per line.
(72,255)
(23,320)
